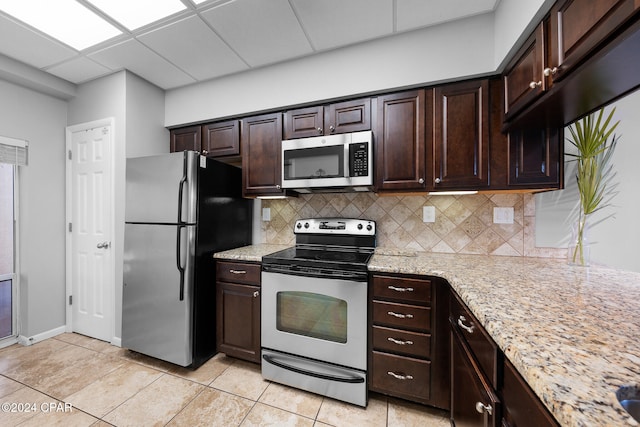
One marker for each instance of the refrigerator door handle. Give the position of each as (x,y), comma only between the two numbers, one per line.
(183,181)
(179,260)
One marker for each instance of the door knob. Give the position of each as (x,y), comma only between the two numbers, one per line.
(103,245)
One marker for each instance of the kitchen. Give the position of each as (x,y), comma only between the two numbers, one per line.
(43,272)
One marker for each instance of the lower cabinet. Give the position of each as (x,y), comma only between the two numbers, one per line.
(407,345)
(238,310)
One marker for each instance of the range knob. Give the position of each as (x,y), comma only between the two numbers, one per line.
(369,227)
(299,226)
(306,225)
(359,226)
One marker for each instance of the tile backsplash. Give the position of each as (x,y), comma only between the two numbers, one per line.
(463,224)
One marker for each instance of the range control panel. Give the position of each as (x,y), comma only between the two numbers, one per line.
(350,226)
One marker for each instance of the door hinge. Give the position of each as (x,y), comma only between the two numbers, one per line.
(70,155)
(70,227)
(70,299)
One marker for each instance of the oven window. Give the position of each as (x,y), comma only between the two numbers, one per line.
(312,315)
(317,162)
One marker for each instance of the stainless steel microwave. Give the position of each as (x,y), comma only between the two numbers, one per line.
(341,162)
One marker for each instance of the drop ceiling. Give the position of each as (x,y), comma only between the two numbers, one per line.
(220,37)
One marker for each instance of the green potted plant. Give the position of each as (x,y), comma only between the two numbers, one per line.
(594,143)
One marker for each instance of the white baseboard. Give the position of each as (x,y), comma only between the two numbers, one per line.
(41,336)
(116,341)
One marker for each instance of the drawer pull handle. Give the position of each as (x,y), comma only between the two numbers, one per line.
(463,326)
(238,271)
(256,294)
(400,376)
(393,288)
(400,315)
(482,408)
(400,342)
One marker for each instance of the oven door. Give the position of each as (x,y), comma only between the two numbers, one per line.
(320,318)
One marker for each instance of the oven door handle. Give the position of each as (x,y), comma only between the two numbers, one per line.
(280,364)
(352,276)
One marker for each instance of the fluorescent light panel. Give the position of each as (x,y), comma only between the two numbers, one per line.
(138,13)
(65,20)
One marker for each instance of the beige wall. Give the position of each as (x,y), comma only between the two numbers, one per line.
(464,224)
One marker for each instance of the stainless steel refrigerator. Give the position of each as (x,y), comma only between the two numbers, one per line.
(180,209)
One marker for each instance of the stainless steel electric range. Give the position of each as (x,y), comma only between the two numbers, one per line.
(314,309)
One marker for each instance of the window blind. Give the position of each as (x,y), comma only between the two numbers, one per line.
(14,151)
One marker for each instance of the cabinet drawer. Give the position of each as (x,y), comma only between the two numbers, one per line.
(401,375)
(402,315)
(405,342)
(414,291)
(238,272)
(482,346)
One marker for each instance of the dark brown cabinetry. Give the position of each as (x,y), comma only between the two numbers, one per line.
(341,117)
(238,310)
(261,155)
(520,406)
(400,130)
(535,157)
(221,139)
(183,139)
(475,370)
(406,360)
(460,144)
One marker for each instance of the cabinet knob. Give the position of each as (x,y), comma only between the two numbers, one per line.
(256,294)
(205,152)
(482,408)
(320,130)
(534,85)
(332,129)
(421,181)
(437,180)
(278,186)
(550,71)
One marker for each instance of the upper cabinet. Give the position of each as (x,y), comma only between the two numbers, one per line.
(261,155)
(460,143)
(400,153)
(221,139)
(341,117)
(183,139)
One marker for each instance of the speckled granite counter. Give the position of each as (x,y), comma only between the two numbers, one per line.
(571,332)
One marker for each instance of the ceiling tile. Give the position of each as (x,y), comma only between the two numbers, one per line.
(28,46)
(413,14)
(134,56)
(261,32)
(79,70)
(333,23)
(198,50)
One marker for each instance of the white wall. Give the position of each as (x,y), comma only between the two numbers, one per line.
(138,109)
(41,120)
(450,51)
(615,239)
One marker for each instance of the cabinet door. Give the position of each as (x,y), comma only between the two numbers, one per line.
(348,116)
(578,27)
(535,157)
(184,139)
(521,407)
(523,78)
(221,139)
(400,155)
(304,122)
(461,136)
(473,400)
(261,155)
(238,320)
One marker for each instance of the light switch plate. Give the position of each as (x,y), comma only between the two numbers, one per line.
(428,214)
(266,214)
(502,215)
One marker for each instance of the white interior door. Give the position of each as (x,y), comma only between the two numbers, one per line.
(91,263)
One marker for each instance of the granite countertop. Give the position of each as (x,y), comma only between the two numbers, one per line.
(571,332)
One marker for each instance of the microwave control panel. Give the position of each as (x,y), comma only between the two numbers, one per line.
(358,159)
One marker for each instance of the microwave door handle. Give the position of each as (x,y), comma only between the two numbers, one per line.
(347,172)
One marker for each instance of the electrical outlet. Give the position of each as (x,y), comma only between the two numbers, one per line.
(428,214)
(266,214)
(502,215)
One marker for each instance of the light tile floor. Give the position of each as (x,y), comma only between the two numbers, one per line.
(73,380)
